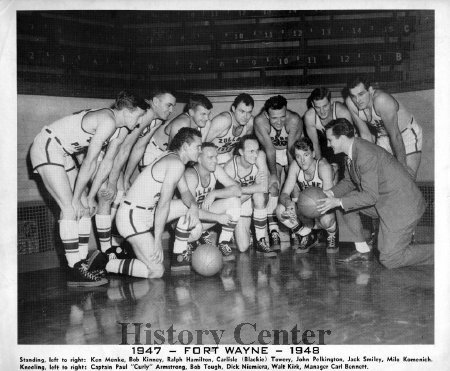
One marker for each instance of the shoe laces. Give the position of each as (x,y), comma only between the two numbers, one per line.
(331,239)
(304,240)
(206,238)
(85,272)
(263,244)
(275,236)
(225,247)
(186,254)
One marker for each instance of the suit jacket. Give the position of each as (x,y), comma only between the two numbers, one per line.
(379,180)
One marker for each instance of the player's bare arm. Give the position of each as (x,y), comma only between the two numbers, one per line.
(219,126)
(105,128)
(294,128)
(326,174)
(387,107)
(311,131)
(106,165)
(363,129)
(288,187)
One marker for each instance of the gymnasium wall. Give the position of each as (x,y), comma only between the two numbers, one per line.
(33,112)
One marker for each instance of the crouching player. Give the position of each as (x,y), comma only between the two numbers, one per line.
(148,205)
(307,172)
(222,206)
(249,168)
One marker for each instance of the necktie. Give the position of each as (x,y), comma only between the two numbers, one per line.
(350,168)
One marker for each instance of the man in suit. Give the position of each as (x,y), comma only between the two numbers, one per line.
(375,183)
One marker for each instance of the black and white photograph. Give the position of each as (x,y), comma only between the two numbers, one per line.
(288,165)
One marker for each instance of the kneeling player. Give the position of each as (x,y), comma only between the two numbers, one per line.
(148,204)
(307,172)
(249,168)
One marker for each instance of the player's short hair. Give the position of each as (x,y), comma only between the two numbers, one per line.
(196,100)
(126,99)
(359,80)
(304,144)
(242,141)
(184,135)
(244,98)
(158,91)
(208,145)
(276,102)
(319,94)
(340,127)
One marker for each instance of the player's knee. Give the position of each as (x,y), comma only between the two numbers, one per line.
(328,221)
(195,233)
(156,271)
(183,222)
(260,200)
(67,212)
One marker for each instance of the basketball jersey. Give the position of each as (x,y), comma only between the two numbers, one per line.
(314,182)
(279,138)
(405,119)
(227,142)
(69,130)
(146,190)
(247,179)
(202,191)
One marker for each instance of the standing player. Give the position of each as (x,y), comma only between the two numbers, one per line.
(229,126)
(395,128)
(196,116)
(277,129)
(221,206)
(51,159)
(148,205)
(162,103)
(307,171)
(249,168)
(321,112)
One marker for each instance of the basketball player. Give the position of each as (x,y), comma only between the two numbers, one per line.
(395,128)
(221,206)
(111,192)
(277,129)
(148,206)
(307,172)
(249,168)
(322,110)
(196,116)
(51,157)
(162,103)
(229,126)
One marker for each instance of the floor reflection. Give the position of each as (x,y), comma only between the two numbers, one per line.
(360,303)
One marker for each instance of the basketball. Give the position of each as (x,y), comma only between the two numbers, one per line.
(207,260)
(307,199)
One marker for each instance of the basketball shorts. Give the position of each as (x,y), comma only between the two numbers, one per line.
(412,139)
(151,153)
(48,150)
(281,157)
(132,219)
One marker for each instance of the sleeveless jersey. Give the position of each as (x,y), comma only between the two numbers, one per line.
(200,191)
(69,130)
(146,190)
(405,120)
(318,122)
(314,182)
(228,141)
(279,137)
(247,179)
